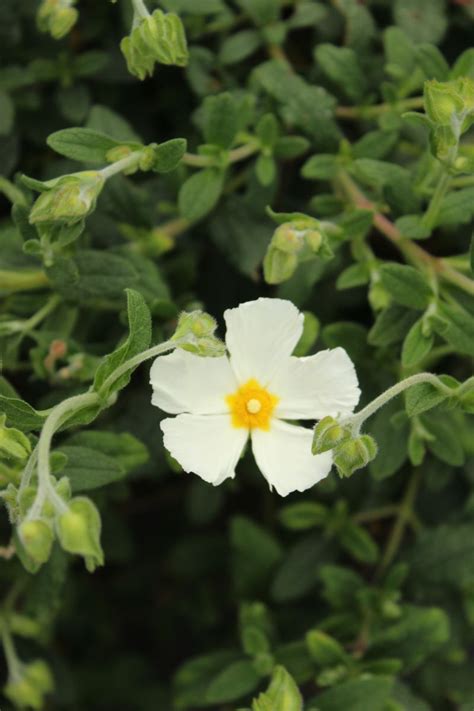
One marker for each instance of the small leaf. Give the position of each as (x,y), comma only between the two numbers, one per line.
(303,515)
(416,345)
(83,144)
(237,680)
(169,154)
(405,285)
(359,543)
(88,468)
(220,120)
(20,414)
(200,193)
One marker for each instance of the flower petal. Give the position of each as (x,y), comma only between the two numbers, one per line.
(185,382)
(206,445)
(261,335)
(283,455)
(319,385)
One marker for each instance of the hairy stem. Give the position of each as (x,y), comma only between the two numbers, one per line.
(235,155)
(128,162)
(368,112)
(431,214)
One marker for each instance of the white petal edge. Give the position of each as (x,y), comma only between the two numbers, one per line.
(185,382)
(319,385)
(261,336)
(283,455)
(206,445)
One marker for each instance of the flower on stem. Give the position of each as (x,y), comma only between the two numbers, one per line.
(222,402)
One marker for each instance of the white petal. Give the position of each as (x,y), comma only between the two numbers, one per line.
(283,455)
(185,382)
(206,445)
(261,335)
(319,385)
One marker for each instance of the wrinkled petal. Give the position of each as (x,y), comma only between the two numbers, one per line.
(261,335)
(185,382)
(206,445)
(283,455)
(319,385)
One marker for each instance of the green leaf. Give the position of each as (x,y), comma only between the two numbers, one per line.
(139,337)
(88,468)
(425,396)
(299,571)
(443,556)
(325,650)
(358,543)
(168,155)
(108,122)
(281,695)
(262,12)
(464,65)
(303,515)
(375,144)
(128,452)
(92,274)
(83,144)
(445,443)
(432,62)
(340,585)
(288,147)
(391,440)
(422,20)
(20,414)
(220,120)
(456,208)
(200,193)
(456,326)
(255,554)
(233,682)
(193,678)
(341,65)
(405,285)
(239,46)
(419,633)
(355,275)
(369,694)
(321,167)
(416,345)
(350,336)
(391,326)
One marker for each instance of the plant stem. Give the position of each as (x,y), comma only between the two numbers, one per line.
(234,156)
(13,663)
(357,420)
(368,112)
(120,165)
(431,214)
(22,280)
(376,514)
(137,360)
(411,251)
(405,515)
(140,9)
(42,313)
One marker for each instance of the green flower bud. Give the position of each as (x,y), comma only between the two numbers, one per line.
(278,265)
(147,158)
(195,331)
(288,239)
(355,454)
(327,434)
(159,38)
(29,686)
(13,443)
(57,17)
(79,531)
(37,539)
(442,102)
(378,296)
(69,200)
(313,239)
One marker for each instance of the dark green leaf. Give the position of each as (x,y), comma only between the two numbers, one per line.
(200,193)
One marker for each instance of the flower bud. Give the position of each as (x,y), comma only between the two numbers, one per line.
(313,239)
(195,331)
(57,17)
(79,531)
(278,265)
(69,200)
(442,102)
(37,539)
(28,687)
(159,38)
(13,443)
(355,454)
(327,434)
(287,239)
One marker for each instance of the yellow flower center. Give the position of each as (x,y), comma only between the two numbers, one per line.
(251,406)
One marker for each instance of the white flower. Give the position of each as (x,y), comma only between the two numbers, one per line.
(221,402)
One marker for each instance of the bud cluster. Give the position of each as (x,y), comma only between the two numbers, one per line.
(350,452)
(57,17)
(449,108)
(195,332)
(292,242)
(28,684)
(158,38)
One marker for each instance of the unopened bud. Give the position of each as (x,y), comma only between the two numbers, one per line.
(313,239)
(195,332)
(278,265)
(442,102)
(37,539)
(355,454)
(31,683)
(13,443)
(327,434)
(57,17)
(159,38)
(79,531)
(288,239)
(69,200)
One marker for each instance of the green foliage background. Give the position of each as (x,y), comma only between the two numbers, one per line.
(362,588)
